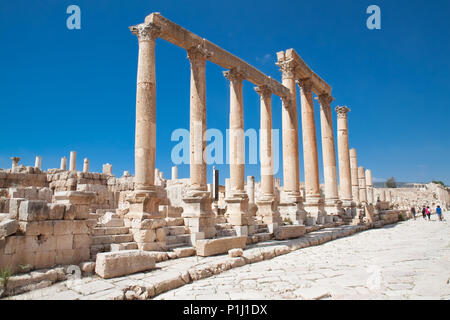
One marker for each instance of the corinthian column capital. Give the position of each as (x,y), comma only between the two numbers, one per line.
(198,54)
(146,31)
(342,111)
(263,91)
(287,68)
(305,85)
(234,75)
(325,100)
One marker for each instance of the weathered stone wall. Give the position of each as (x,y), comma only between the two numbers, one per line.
(23,179)
(42,234)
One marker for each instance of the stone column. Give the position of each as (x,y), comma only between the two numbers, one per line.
(174,173)
(63,165)
(144,201)
(383,195)
(354,174)
(314,202)
(362,185)
(237,201)
(15,162)
(251,189)
(345,180)
(107,169)
(291,202)
(215,184)
(86,165)
(388,196)
(73,161)
(197,213)
(369,187)
(197,59)
(267,205)
(38,162)
(333,205)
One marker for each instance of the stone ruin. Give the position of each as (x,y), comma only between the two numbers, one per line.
(65,217)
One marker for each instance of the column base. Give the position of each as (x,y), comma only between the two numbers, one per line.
(291,206)
(315,209)
(197,213)
(333,207)
(144,205)
(237,210)
(268,210)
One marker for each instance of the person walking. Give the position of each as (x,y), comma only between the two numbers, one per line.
(428,212)
(413,212)
(439,213)
(424,213)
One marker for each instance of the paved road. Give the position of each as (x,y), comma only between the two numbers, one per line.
(409,260)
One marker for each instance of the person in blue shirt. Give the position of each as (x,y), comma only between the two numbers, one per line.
(439,213)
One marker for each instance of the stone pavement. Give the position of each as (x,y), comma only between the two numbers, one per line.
(406,260)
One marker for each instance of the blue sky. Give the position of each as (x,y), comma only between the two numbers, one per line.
(63,90)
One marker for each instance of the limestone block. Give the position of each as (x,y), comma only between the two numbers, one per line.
(72,256)
(33,210)
(152,246)
(61,227)
(289,232)
(70,211)
(161,234)
(64,242)
(144,235)
(234,253)
(8,227)
(148,224)
(56,211)
(87,267)
(120,263)
(81,241)
(211,247)
(35,228)
(14,205)
(74,197)
(184,252)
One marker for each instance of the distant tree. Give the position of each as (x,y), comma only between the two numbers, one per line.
(390,183)
(438,182)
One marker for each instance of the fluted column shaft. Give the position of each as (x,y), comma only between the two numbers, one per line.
(328,149)
(265,138)
(354,171)
(345,179)
(237,139)
(369,186)
(310,156)
(291,175)
(145,136)
(362,184)
(198,119)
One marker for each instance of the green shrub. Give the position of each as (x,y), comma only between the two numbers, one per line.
(5,274)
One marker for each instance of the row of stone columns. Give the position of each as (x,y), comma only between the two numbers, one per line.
(352,187)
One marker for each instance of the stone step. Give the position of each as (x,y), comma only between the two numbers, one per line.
(124,246)
(171,240)
(175,245)
(184,238)
(262,230)
(175,222)
(114,238)
(115,222)
(100,231)
(176,230)
(264,236)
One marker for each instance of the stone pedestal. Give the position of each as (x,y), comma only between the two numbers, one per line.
(144,204)
(237,212)
(291,206)
(198,215)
